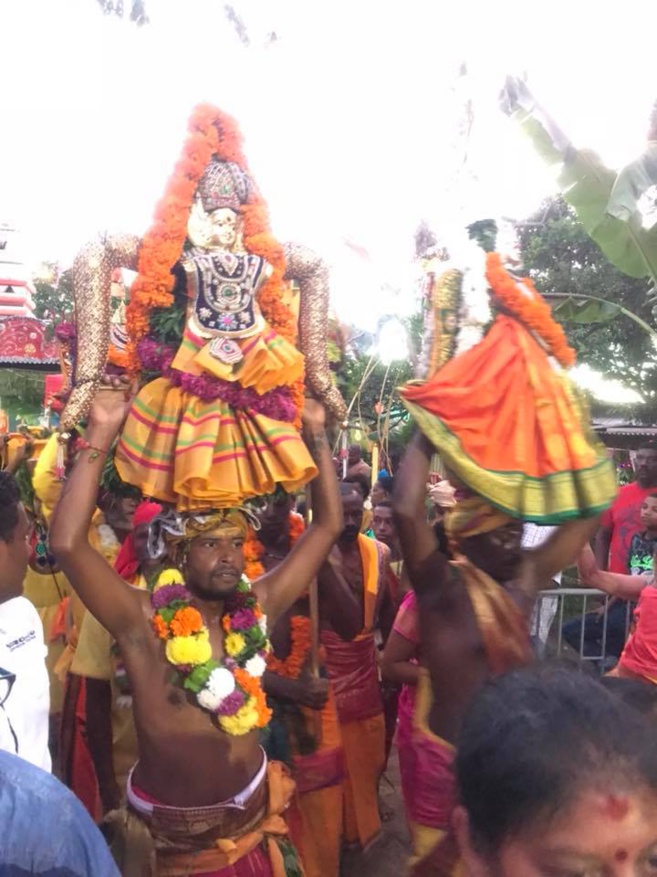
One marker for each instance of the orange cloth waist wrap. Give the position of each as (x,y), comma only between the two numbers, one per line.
(173,842)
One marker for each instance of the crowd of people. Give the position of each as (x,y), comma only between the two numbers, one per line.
(407,649)
(214,631)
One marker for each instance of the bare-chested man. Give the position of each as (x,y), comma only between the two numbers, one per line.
(474,622)
(361,564)
(198,788)
(305,727)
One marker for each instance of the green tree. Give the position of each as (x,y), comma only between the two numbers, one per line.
(21,392)
(54,301)
(562,258)
(370,387)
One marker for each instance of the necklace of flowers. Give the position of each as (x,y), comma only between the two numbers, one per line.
(300,639)
(300,643)
(230,690)
(524,301)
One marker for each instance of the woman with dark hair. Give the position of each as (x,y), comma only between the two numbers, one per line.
(557,777)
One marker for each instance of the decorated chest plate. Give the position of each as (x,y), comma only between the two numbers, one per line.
(224,287)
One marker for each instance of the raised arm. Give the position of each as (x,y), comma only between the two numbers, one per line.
(279,589)
(397,665)
(616,584)
(562,548)
(416,538)
(112,601)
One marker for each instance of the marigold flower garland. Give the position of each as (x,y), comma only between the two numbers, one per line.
(292,666)
(300,642)
(211,132)
(526,303)
(254,549)
(231,690)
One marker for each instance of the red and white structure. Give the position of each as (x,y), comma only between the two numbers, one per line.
(22,335)
(16,289)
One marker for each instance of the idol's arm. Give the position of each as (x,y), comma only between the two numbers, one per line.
(112,601)
(279,589)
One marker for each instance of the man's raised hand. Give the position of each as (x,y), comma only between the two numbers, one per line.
(314,416)
(111,404)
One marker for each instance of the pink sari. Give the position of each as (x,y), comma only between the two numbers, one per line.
(406,625)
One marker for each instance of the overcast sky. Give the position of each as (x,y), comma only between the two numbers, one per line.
(351,117)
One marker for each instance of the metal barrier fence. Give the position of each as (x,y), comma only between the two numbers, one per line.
(589,644)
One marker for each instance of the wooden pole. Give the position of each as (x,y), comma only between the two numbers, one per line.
(313,600)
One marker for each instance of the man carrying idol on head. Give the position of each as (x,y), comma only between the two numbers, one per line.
(216,426)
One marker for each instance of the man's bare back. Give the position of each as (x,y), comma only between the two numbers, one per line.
(453,647)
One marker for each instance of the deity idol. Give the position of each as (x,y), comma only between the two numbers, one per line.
(208,433)
(211,328)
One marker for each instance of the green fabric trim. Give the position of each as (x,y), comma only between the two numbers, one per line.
(550,500)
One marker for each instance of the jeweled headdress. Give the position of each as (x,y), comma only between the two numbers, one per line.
(224,184)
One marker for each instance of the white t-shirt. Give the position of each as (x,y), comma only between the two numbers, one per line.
(25,705)
(533,536)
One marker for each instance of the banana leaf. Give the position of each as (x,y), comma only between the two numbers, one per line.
(593,309)
(606,203)
(586,311)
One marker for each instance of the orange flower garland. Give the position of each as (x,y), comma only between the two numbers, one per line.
(186,622)
(296,527)
(532,310)
(253,551)
(292,667)
(211,132)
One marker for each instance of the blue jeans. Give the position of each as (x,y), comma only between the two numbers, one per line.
(593,631)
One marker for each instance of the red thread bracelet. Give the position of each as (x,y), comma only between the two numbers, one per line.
(84,445)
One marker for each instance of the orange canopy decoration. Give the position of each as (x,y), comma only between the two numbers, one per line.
(511,426)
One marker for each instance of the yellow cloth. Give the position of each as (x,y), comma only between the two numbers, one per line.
(354,678)
(42,591)
(472,516)
(93,658)
(502,625)
(315,816)
(364,744)
(372,553)
(199,455)
(44,480)
(268,361)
